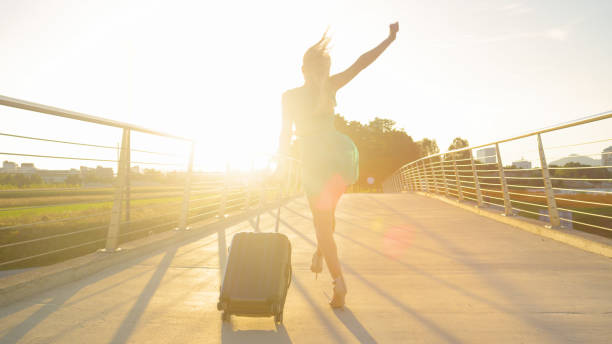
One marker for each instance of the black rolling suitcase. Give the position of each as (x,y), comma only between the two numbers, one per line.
(257,276)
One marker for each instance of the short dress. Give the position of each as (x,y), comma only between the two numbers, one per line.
(330,159)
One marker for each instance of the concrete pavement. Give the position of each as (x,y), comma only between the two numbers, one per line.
(417,269)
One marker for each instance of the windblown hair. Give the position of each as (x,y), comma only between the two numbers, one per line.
(316,62)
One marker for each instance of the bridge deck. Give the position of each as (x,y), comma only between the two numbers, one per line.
(418,270)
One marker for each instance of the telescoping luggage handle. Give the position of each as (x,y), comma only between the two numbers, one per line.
(280,197)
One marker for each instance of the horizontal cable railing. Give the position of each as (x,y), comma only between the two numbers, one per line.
(43,221)
(574,196)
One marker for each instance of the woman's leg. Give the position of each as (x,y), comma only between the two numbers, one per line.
(333,224)
(324,226)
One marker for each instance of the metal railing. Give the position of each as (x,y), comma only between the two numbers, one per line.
(573,196)
(47,224)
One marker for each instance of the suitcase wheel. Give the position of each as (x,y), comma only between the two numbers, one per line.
(225,316)
(278,318)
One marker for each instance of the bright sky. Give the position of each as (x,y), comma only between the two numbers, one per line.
(215,70)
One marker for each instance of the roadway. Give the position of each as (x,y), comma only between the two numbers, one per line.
(418,271)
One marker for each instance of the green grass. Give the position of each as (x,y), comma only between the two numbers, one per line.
(86,211)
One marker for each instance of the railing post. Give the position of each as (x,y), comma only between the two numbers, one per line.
(128,197)
(247,202)
(395,183)
(112,237)
(279,200)
(425,176)
(459,191)
(410,178)
(553,213)
(187,192)
(398,176)
(419,177)
(442,161)
(223,203)
(476,182)
(222,245)
(433,176)
(504,184)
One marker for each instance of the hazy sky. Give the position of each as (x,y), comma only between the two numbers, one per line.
(215,70)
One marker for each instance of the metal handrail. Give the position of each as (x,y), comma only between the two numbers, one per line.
(217,196)
(551,183)
(580,121)
(55,111)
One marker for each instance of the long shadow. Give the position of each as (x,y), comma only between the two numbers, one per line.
(367,230)
(58,301)
(352,324)
(446,336)
(69,290)
(421,272)
(118,303)
(16,333)
(330,327)
(124,332)
(496,282)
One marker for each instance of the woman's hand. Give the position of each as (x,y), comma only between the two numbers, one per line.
(393,29)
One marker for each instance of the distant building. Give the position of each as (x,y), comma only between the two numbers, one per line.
(57,176)
(27,168)
(487,155)
(524,164)
(606,158)
(8,167)
(98,173)
(11,167)
(104,172)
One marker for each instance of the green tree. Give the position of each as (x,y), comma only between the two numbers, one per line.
(428,147)
(382,148)
(458,143)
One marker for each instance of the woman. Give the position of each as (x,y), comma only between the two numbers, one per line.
(330,159)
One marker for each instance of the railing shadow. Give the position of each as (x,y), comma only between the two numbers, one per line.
(67,293)
(434,327)
(124,331)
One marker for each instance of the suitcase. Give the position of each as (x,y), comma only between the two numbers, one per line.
(257,276)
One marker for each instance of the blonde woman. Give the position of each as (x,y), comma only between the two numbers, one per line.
(330,159)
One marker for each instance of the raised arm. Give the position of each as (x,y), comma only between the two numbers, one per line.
(341,79)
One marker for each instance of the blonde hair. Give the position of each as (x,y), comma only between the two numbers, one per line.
(316,61)
(315,67)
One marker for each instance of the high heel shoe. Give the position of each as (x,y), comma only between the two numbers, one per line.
(338,299)
(317,263)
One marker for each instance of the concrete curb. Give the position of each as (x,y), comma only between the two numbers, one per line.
(533,226)
(19,286)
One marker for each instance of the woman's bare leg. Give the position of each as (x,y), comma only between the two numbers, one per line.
(333,226)
(324,226)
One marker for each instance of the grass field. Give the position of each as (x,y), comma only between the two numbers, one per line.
(54,225)
(585,213)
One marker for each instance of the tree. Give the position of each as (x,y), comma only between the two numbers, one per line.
(458,143)
(428,147)
(382,148)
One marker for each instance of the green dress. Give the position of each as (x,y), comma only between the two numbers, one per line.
(329,159)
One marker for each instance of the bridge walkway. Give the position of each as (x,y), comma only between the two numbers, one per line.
(418,271)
